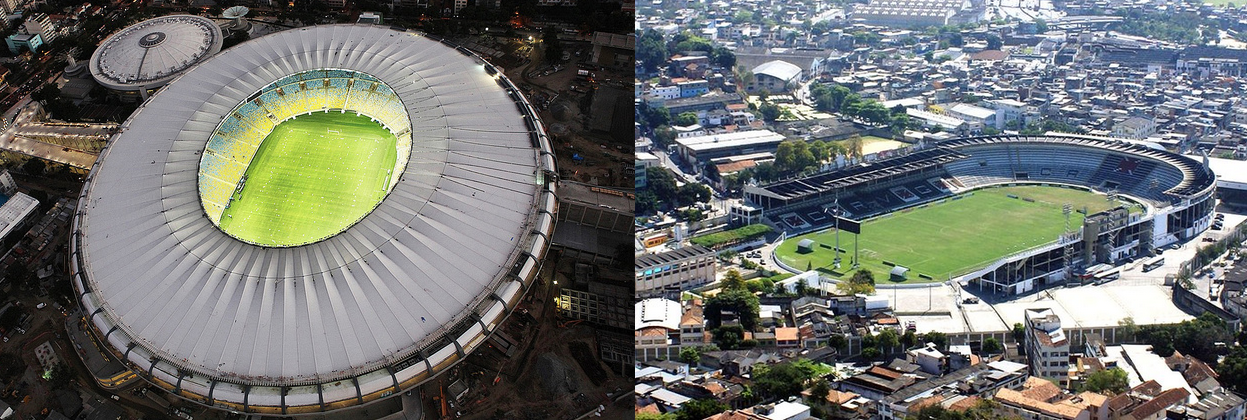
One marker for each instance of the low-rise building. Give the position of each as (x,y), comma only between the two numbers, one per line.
(774,76)
(17,213)
(19,42)
(671,272)
(1040,399)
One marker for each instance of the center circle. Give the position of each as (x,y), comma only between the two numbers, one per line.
(304,158)
(151,40)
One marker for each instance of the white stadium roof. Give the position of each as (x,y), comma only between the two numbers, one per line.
(150,53)
(389,302)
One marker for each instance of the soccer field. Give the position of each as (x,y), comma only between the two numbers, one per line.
(952,237)
(314,176)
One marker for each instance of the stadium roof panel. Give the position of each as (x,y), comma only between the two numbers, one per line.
(418,280)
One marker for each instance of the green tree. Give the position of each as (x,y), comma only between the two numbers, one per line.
(732,281)
(723,57)
(692,215)
(646,202)
(661,182)
(794,156)
(770,112)
(60,376)
(888,340)
(992,346)
(782,380)
(686,42)
(863,276)
(692,193)
(1019,332)
(855,146)
(729,337)
(909,339)
(690,355)
(645,416)
(994,42)
(1232,370)
(820,150)
(862,282)
(1109,382)
(1041,25)
(938,338)
(818,392)
(652,50)
(740,301)
(1128,327)
(871,353)
(655,117)
(837,341)
(700,409)
(686,119)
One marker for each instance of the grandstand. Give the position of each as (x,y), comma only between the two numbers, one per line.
(238,137)
(1176,194)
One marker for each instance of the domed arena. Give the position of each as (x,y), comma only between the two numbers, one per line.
(313,220)
(149,54)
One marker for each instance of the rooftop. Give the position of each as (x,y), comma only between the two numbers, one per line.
(154,51)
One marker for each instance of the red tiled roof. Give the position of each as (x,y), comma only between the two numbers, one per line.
(884,372)
(1040,389)
(965,403)
(1161,402)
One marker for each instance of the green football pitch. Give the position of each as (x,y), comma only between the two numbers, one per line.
(313,177)
(951,237)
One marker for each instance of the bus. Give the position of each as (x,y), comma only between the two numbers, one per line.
(1107,276)
(1090,273)
(1153,263)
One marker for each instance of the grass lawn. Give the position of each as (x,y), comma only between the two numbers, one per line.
(313,177)
(952,237)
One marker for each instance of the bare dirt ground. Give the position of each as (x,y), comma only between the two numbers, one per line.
(556,372)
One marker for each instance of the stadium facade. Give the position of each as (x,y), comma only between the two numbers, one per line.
(387,304)
(1177,193)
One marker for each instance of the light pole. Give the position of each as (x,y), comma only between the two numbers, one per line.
(835,215)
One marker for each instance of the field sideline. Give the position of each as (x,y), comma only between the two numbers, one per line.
(312,177)
(953,237)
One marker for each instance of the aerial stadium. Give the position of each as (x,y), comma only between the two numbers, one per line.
(313,220)
(1005,213)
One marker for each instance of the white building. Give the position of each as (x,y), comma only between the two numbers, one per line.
(16,213)
(931,119)
(1047,346)
(1012,110)
(784,411)
(1137,128)
(41,24)
(657,326)
(774,76)
(699,149)
(665,92)
(7,185)
(977,116)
